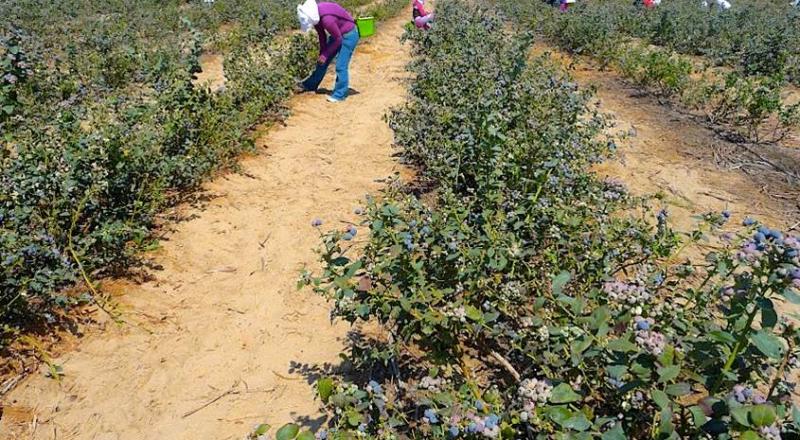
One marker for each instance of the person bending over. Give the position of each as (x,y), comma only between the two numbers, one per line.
(338,38)
(422,19)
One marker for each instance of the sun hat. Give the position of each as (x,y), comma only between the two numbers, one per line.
(308,15)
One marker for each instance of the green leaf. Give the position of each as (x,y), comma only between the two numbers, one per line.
(340,261)
(353,418)
(490,316)
(287,432)
(721,336)
(749,435)
(560,281)
(563,393)
(559,414)
(568,419)
(666,374)
(306,435)
(578,422)
(353,268)
(325,388)
(741,414)
(796,416)
(579,346)
(767,343)
(616,371)
(660,398)
(473,313)
(698,415)
(768,315)
(600,317)
(621,345)
(668,356)
(762,415)
(678,389)
(666,426)
(615,433)
(262,429)
(641,371)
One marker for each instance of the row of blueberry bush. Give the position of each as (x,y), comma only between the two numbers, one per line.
(750,100)
(521,296)
(753,36)
(103,125)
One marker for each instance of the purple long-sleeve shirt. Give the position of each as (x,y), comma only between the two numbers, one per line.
(336,21)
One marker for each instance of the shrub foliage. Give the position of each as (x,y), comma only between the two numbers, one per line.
(525,298)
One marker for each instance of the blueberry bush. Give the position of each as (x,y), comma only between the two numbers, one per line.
(523,297)
(653,48)
(103,126)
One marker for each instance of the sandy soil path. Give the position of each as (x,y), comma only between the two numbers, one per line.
(224,313)
(668,152)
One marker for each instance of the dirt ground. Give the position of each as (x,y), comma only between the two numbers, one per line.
(665,151)
(223,318)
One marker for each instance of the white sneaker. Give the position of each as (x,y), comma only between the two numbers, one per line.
(332,99)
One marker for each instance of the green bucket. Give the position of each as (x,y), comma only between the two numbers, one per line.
(366,26)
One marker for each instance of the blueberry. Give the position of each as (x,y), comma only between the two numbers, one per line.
(642,325)
(472,428)
(791,253)
(316,223)
(375,386)
(726,214)
(352,230)
(453,431)
(763,229)
(759,237)
(430,414)
(748,221)
(479,405)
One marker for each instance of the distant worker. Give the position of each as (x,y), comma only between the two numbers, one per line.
(722,4)
(422,19)
(338,37)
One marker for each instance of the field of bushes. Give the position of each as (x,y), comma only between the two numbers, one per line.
(730,66)
(516,294)
(102,127)
(523,297)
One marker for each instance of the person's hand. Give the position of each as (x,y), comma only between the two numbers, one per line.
(321,60)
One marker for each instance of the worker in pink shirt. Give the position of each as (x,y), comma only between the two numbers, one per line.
(338,37)
(421,17)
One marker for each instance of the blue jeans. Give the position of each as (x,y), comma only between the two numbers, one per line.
(343,56)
